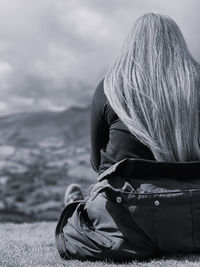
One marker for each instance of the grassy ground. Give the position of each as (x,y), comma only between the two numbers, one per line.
(33,245)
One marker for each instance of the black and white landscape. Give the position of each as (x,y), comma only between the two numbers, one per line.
(40,154)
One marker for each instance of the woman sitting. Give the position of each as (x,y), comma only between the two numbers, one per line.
(145,126)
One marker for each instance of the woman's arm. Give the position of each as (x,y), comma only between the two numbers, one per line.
(99,129)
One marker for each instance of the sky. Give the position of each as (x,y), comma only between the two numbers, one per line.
(53,53)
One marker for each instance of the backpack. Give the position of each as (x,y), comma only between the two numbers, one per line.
(137,209)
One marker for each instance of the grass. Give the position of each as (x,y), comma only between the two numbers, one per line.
(32,244)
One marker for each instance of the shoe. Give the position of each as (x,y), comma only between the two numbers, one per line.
(73,193)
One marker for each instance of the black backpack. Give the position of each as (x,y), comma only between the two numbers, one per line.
(137,209)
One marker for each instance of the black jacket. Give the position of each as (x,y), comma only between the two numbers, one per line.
(111,141)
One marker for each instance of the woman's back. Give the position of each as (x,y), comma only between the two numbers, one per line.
(154,89)
(111,141)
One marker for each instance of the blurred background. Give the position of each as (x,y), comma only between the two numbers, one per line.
(53,54)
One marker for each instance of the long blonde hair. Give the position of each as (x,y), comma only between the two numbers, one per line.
(154,89)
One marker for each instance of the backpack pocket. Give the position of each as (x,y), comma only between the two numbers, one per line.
(167,218)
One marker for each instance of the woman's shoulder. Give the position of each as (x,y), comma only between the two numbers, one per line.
(99,94)
(103,105)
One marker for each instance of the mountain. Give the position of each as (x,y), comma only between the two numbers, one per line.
(28,129)
(40,155)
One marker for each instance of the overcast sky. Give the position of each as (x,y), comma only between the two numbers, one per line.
(53,53)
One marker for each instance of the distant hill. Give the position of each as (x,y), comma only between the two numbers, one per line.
(40,155)
(28,129)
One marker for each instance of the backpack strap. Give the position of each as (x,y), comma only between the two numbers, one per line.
(141,168)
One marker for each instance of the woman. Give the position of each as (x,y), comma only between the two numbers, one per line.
(146,110)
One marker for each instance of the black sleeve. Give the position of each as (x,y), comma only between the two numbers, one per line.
(99,128)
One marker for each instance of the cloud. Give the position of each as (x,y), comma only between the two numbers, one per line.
(54,53)
(3,107)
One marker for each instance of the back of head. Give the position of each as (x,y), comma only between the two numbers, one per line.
(154,89)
